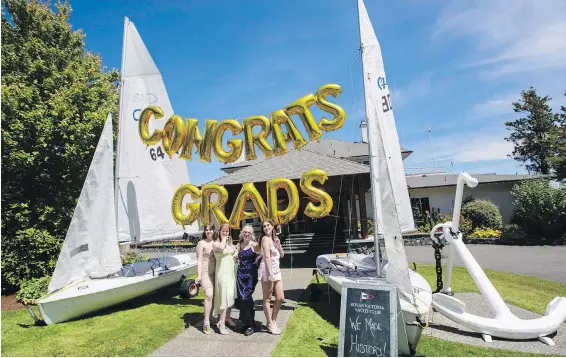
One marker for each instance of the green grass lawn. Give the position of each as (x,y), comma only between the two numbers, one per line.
(135,328)
(313,330)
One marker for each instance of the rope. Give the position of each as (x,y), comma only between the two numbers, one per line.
(290,247)
(337,211)
(352,203)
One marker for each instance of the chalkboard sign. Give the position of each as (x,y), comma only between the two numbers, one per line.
(368,320)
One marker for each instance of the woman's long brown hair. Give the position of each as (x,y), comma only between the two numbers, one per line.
(209,226)
(218,237)
(263,232)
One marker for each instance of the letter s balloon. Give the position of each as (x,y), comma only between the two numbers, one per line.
(338,112)
(315,193)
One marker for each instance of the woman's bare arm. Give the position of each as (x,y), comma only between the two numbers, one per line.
(266,250)
(199,261)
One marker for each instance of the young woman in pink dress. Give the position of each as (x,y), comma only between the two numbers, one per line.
(270,274)
(206,267)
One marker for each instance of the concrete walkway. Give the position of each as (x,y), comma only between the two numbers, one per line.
(193,343)
(443,328)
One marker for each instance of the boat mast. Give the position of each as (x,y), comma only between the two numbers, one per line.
(377,252)
(122,92)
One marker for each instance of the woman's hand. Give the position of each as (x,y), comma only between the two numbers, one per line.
(271,278)
(198,280)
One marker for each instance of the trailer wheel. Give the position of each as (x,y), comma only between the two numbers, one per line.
(189,289)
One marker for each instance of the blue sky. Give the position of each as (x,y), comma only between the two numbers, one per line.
(454,66)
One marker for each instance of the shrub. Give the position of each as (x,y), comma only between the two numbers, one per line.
(425,221)
(132,257)
(33,289)
(539,208)
(482,214)
(465,225)
(485,233)
(513,233)
(29,254)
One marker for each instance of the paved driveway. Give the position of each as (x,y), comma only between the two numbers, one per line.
(547,262)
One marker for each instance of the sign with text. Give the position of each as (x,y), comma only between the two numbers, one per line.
(368,320)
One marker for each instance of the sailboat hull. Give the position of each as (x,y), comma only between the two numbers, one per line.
(89,296)
(338,269)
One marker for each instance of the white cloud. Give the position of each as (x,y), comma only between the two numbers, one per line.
(418,88)
(511,37)
(480,145)
(484,148)
(496,106)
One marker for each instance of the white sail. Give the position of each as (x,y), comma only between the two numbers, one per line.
(146,177)
(90,248)
(390,196)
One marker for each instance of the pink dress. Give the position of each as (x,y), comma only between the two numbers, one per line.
(264,272)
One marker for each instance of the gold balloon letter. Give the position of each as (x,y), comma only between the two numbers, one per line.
(280,140)
(338,112)
(260,139)
(143,126)
(173,135)
(234,144)
(192,136)
(284,216)
(206,143)
(177,204)
(301,107)
(239,212)
(217,207)
(317,194)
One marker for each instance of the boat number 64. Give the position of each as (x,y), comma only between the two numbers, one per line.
(156,153)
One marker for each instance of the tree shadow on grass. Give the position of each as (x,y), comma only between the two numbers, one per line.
(194,319)
(324,301)
(331,350)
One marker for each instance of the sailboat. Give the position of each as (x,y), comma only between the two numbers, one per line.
(390,200)
(131,207)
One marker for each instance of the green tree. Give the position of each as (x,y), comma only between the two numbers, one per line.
(559,161)
(535,136)
(55,98)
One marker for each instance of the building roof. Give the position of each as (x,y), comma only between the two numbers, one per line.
(438,180)
(332,147)
(292,165)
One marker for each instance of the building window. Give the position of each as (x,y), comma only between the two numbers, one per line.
(421,204)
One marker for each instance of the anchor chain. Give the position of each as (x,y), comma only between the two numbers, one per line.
(437,256)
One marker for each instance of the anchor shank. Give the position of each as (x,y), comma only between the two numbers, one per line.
(490,294)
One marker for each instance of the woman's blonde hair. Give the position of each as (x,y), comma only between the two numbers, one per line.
(241,236)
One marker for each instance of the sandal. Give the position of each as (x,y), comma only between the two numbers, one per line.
(274,330)
(222,329)
(206,329)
